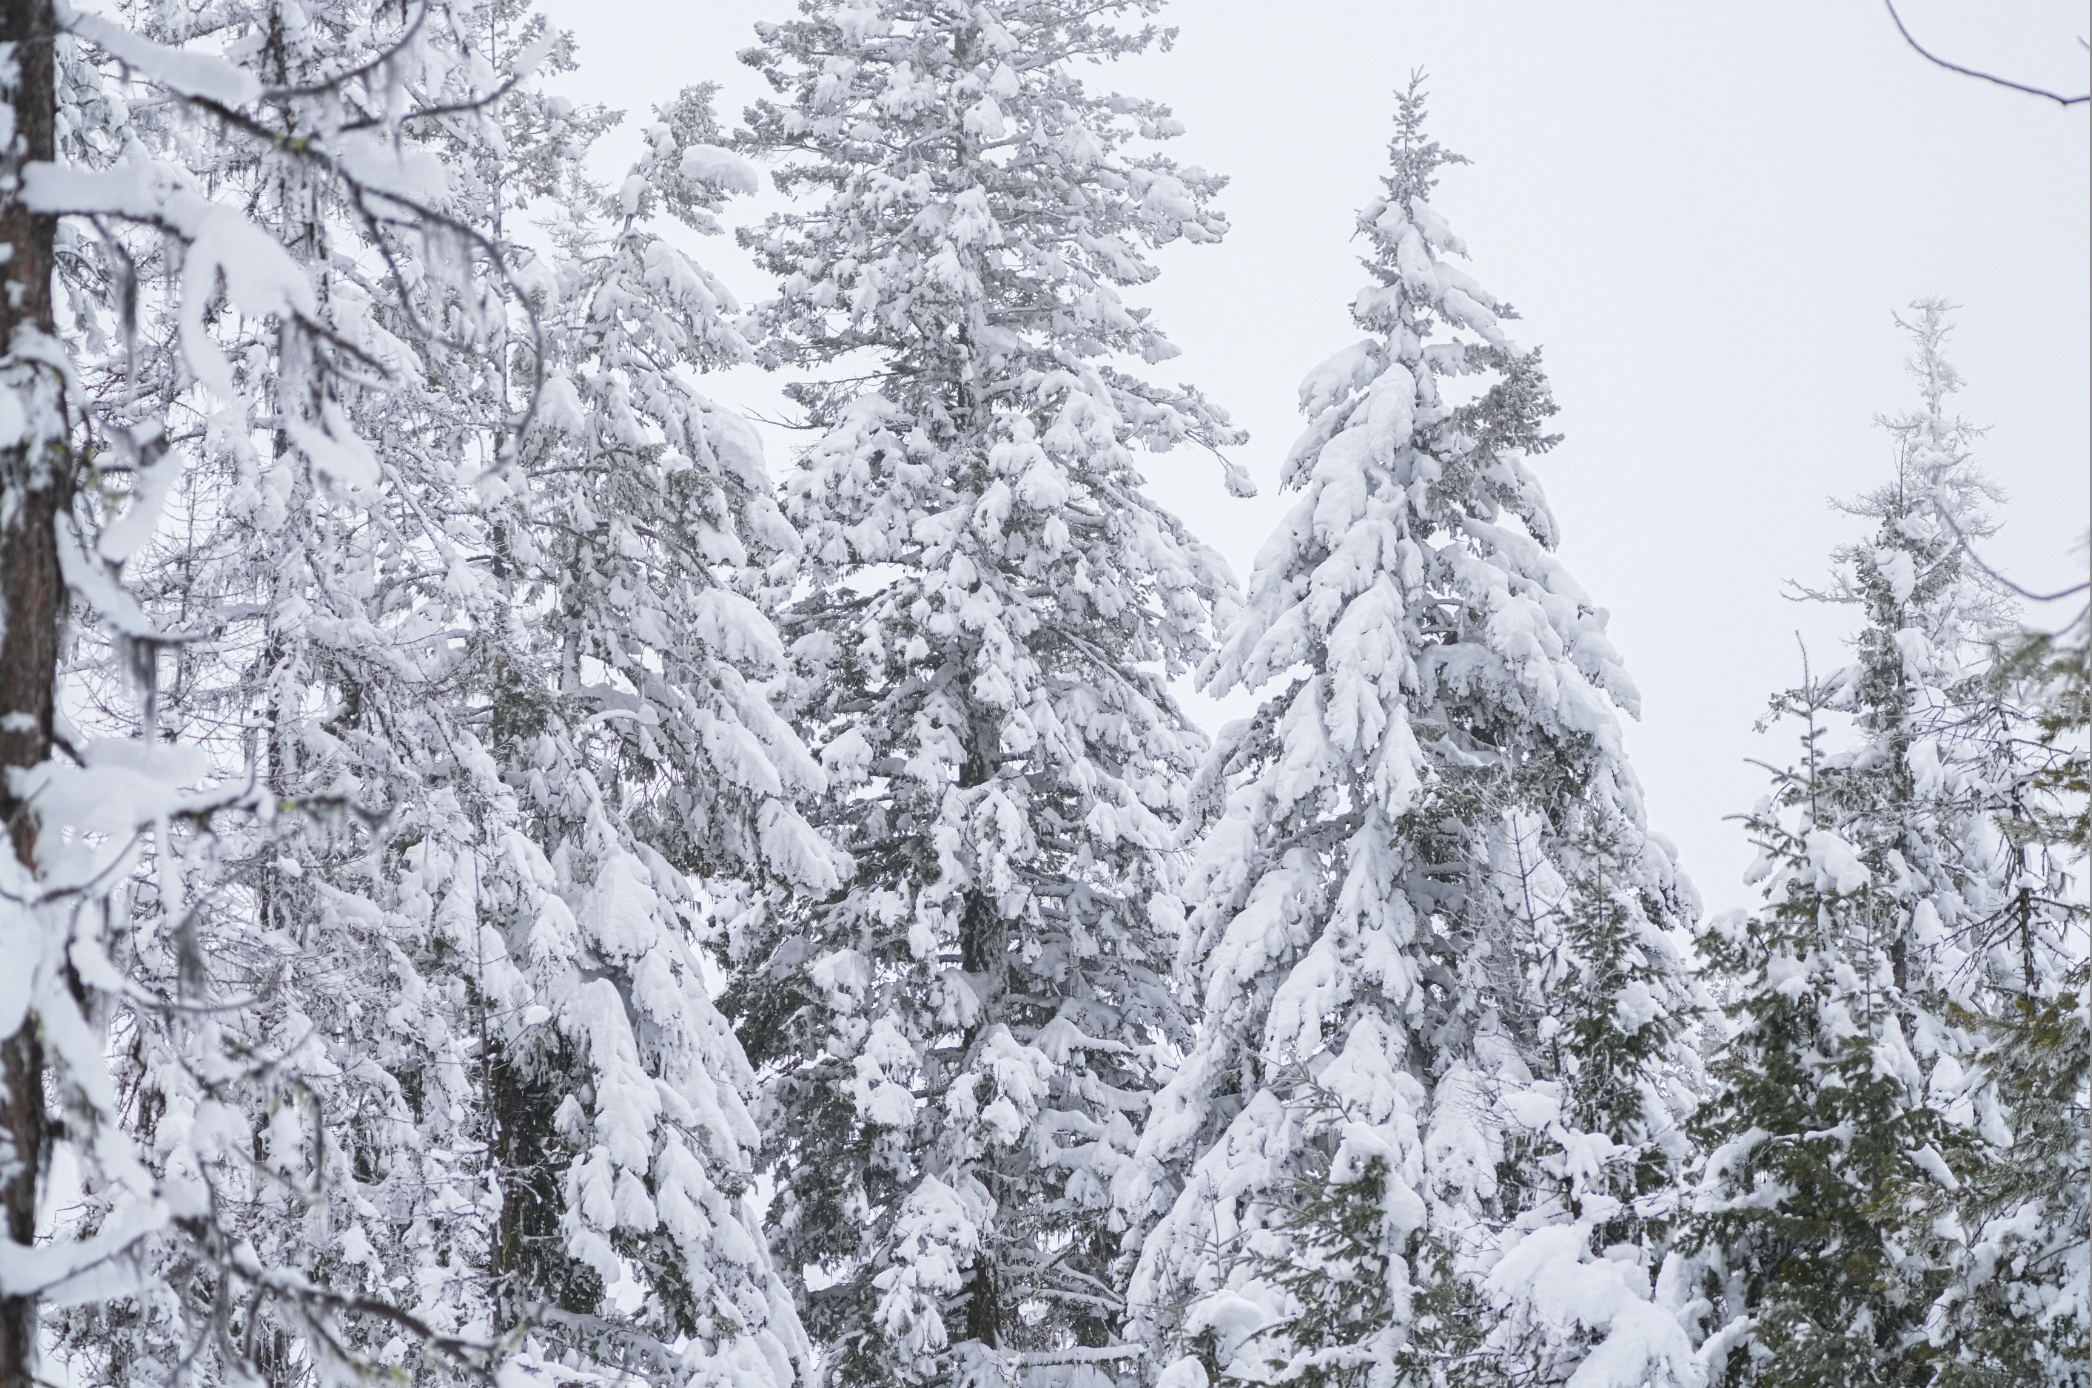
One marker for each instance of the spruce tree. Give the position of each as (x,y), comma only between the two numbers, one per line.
(1425,1129)
(456,614)
(988,609)
(1846,1113)
(2019,1308)
(207,348)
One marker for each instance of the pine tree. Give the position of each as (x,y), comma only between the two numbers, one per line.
(1440,1062)
(2017,1309)
(630,720)
(159,899)
(1844,1112)
(986,615)
(488,718)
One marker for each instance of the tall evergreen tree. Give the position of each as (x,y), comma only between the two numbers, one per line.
(460,610)
(986,615)
(1845,1111)
(1424,1131)
(629,716)
(315,571)
(2019,1309)
(168,192)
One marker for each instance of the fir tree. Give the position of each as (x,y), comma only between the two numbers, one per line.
(1439,1066)
(511,729)
(214,345)
(1844,1112)
(986,615)
(2017,1310)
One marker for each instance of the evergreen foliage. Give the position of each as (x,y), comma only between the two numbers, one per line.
(2017,1310)
(1398,1150)
(501,893)
(429,1060)
(1851,1102)
(217,885)
(985,618)
(631,723)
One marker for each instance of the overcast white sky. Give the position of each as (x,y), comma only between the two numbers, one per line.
(1706,214)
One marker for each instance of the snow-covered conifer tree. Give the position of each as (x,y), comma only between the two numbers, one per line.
(394,611)
(630,719)
(174,194)
(2019,1309)
(1849,1106)
(958,1046)
(1425,1129)
(2019,1305)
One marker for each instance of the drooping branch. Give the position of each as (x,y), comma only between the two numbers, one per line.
(1931,57)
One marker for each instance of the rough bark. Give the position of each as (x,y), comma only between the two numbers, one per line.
(34,486)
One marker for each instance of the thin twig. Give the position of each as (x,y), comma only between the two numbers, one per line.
(1931,57)
(777,423)
(1969,548)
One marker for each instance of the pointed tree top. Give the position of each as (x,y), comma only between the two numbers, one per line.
(1929,331)
(1416,158)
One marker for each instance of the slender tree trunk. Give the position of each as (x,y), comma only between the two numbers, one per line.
(984,952)
(21,1160)
(35,482)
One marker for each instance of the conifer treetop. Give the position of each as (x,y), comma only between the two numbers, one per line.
(982,209)
(983,620)
(1424,870)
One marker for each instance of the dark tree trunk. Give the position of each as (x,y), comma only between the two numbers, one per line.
(984,946)
(22,1147)
(35,486)
(984,1304)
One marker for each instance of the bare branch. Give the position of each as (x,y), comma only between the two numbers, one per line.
(1968,548)
(1932,57)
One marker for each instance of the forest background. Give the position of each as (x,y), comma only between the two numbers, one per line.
(391,1050)
(1706,215)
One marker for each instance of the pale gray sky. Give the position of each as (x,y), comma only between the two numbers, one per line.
(1706,214)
